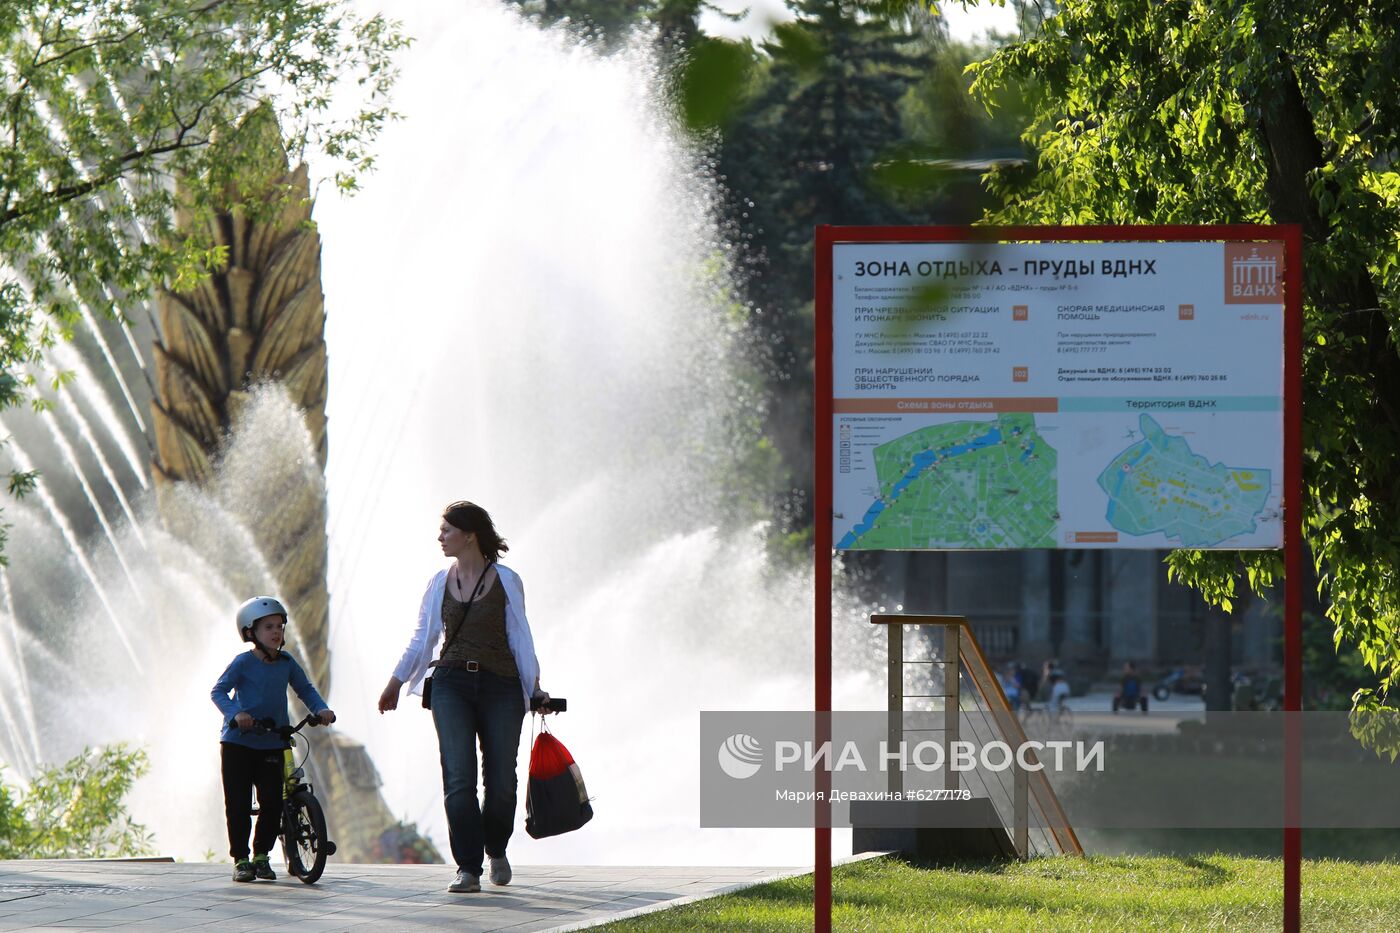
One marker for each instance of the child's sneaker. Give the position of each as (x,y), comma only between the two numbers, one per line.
(465,883)
(243,870)
(262,869)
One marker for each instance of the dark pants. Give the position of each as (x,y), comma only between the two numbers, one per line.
(469,706)
(245,768)
(1120,702)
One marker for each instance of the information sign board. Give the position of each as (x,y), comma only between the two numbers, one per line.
(1057,394)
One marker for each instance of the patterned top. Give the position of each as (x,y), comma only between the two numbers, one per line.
(484,638)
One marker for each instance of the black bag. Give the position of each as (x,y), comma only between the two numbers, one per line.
(428,681)
(555,799)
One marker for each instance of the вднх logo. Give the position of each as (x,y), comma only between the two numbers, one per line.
(1254,273)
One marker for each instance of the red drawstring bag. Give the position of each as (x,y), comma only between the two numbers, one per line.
(549,758)
(555,798)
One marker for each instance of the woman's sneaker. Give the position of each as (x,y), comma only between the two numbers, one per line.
(500,870)
(465,883)
(243,870)
(262,869)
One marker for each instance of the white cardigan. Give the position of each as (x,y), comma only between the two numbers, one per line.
(425,644)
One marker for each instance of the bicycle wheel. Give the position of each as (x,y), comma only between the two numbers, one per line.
(1035,722)
(304,839)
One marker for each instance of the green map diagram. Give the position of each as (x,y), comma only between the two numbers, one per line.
(966,484)
(1160,484)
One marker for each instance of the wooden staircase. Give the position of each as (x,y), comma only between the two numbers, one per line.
(1013,813)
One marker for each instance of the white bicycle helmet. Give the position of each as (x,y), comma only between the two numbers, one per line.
(254,609)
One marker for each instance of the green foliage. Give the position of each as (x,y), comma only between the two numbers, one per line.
(610,23)
(820,108)
(1190,112)
(943,118)
(107,102)
(1332,673)
(830,108)
(710,82)
(851,113)
(1378,728)
(76,810)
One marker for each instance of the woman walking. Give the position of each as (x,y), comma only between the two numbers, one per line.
(473,634)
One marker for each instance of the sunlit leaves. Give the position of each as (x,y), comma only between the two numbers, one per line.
(76,810)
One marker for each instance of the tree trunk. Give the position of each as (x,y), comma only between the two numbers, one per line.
(1289,136)
(1219,690)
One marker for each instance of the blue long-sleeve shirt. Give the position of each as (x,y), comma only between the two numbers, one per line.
(259,689)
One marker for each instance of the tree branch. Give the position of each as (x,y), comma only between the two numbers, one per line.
(119,38)
(66,193)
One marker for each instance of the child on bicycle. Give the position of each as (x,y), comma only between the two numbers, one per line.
(258,680)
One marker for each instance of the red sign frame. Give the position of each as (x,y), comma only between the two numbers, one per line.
(1291,236)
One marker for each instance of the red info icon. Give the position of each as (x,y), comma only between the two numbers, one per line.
(1020,374)
(1186,312)
(1020,313)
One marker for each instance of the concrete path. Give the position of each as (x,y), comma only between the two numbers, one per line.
(170,896)
(1094,716)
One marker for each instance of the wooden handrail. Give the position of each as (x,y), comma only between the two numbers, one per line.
(989,688)
(1011,724)
(894,619)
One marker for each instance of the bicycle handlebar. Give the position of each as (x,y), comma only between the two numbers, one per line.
(266,726)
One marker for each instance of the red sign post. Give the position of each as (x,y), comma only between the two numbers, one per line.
(1257,261)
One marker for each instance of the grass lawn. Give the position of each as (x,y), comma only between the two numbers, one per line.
(1112,894)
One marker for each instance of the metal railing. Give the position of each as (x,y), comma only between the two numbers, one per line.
(959,682)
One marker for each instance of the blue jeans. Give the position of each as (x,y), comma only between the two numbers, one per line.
(467,706)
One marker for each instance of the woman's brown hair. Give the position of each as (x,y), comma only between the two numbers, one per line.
(470,517)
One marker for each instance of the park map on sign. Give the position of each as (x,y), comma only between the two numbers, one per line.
(1160,484)
(967,484)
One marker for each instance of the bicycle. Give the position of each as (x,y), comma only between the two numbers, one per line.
(1041,720)
(305,843)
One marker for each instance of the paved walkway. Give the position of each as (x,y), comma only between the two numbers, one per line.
(1094,716)
(169,896)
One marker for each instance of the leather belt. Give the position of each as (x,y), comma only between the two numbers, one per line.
(458,665)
